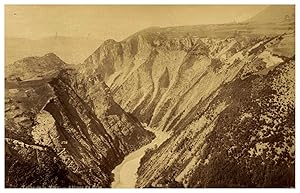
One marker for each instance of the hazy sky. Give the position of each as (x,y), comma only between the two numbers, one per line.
(115,22)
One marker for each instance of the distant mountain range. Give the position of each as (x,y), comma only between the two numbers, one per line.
(72,50)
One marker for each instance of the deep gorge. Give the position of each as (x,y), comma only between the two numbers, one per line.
(224,94)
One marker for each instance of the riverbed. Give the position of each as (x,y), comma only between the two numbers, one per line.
(125,174)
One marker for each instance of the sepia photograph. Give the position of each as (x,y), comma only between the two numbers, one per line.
(149,96)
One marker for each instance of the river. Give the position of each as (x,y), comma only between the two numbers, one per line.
(125,173)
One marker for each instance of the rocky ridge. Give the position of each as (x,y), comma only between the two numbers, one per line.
(73,121)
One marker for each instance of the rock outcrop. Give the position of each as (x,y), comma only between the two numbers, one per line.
(70,129)
(34,67)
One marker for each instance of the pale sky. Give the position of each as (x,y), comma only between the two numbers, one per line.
(116,22)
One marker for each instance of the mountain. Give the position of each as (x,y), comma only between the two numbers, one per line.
(65,130)
(275,14)
(225,92)
(161,74)
(34,67)
(72,50)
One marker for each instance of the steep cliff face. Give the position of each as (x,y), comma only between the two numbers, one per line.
(160,75)
(245,137)
(242,134)
(213,87)
(71,124)
(149,74)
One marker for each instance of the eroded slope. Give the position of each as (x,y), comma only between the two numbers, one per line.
(74,124)
(212,86)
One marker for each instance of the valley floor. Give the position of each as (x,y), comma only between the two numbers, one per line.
(125,174)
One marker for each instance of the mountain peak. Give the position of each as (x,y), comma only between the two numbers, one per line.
(32,67)
(51,54)
(274,14)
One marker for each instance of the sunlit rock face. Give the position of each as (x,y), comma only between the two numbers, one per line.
(225,92)
(161,74)
(71,123)
(245,137)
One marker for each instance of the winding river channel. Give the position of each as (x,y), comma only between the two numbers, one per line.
(125,174)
